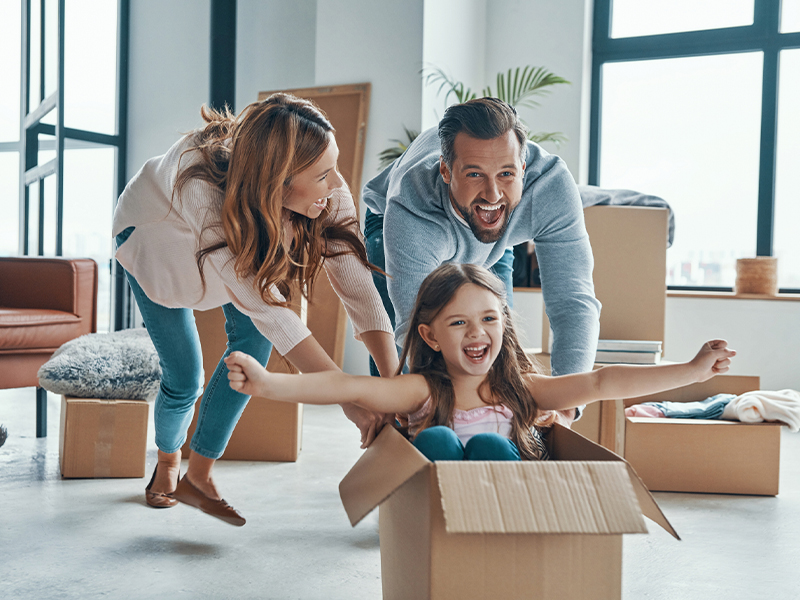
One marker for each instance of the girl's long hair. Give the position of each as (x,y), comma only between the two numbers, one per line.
(504,384)
(253,158)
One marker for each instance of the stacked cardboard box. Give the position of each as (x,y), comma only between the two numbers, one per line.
(102,438)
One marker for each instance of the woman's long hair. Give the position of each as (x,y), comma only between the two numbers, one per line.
(504,383)
(253,158)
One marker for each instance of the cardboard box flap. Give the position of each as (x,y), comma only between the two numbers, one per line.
(538,497)
(567,445)
(386,465)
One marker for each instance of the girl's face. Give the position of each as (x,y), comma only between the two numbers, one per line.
(311,189)
(468,331)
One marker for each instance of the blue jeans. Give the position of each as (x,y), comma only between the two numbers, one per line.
(174,335)
(373,238)
(442,443)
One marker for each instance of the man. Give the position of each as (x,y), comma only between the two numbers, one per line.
(468,195)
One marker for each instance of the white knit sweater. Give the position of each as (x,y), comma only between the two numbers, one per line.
(160,254)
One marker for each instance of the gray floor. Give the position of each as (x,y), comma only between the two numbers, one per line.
(97,539)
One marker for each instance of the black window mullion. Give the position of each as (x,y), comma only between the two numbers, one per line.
(768,18)
(60,132)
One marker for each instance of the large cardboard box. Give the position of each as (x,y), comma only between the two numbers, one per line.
(268,430)
(708,456)
(549,529)
(102,438)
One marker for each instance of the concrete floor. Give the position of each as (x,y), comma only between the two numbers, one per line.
(97,539)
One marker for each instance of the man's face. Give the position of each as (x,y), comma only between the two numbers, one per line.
(485,182)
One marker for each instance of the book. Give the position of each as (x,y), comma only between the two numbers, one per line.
(629,345)
(629,357)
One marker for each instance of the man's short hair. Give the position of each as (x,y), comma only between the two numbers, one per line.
(481,118)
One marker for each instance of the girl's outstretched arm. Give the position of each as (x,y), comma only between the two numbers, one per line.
(629,381)
(401,394)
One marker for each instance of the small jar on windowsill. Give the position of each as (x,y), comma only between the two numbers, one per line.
(757,276)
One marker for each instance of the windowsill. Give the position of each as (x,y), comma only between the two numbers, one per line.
(702,294)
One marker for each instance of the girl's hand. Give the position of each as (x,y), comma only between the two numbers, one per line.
(714,358)
(246,375)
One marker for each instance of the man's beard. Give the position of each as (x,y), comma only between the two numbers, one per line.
(487,236)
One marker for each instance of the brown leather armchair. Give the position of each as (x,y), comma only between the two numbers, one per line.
(44,302)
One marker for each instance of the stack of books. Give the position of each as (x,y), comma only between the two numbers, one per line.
(636,352)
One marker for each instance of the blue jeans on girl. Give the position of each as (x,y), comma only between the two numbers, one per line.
(442,443)
(174,335)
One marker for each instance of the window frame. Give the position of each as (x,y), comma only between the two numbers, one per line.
(762,36)
(31,125)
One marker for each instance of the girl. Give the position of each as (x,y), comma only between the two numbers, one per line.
(233,215)
(472,393)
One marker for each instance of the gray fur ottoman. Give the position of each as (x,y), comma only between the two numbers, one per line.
(105,380)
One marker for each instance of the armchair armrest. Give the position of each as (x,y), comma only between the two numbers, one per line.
(65,284)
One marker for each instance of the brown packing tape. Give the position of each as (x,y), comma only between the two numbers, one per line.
(105,438)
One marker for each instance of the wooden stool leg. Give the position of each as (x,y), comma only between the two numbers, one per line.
(41,412)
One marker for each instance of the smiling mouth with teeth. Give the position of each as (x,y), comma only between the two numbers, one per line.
(321,203)
(490,214)
(477,353)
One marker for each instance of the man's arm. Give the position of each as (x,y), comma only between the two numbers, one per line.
(565,265)
(412,245)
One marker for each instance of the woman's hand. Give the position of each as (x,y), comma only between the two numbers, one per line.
(714,358)
(368,422)
(246,375)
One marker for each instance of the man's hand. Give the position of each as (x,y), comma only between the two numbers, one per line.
(368,422)
(565,417)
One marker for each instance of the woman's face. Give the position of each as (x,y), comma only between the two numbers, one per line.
(311,189)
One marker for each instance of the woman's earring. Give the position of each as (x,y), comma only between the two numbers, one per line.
(437,347)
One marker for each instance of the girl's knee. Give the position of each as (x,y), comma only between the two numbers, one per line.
(439,443)
(490,446)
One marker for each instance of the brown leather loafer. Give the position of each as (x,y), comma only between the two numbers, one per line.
(158,499)
(187,493)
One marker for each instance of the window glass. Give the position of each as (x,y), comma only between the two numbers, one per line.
(790,16)
(9,70)
(90,68)
(50,216)
(786,242)
(33,219)
(631,18)
(50,46)
(688,130)
(35,61)
(89,194)
(9,203)
(47,148)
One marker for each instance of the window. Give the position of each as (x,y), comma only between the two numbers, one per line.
(62,132)
(695,106)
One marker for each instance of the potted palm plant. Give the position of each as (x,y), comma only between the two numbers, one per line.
(520,87)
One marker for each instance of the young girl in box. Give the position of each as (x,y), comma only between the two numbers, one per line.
(472,393)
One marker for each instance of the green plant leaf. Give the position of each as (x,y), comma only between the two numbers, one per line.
(555,137)
(389,155)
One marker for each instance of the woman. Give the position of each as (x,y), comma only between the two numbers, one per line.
(231,216)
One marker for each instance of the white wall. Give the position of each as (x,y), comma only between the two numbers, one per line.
(546,34)
(168,74)
(454,40)
(275,47)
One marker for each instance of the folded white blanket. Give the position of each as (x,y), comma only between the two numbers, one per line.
(762,405)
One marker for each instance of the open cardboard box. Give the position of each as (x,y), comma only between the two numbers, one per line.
(708,456)
(102,438)
(549,529)
(268,430)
